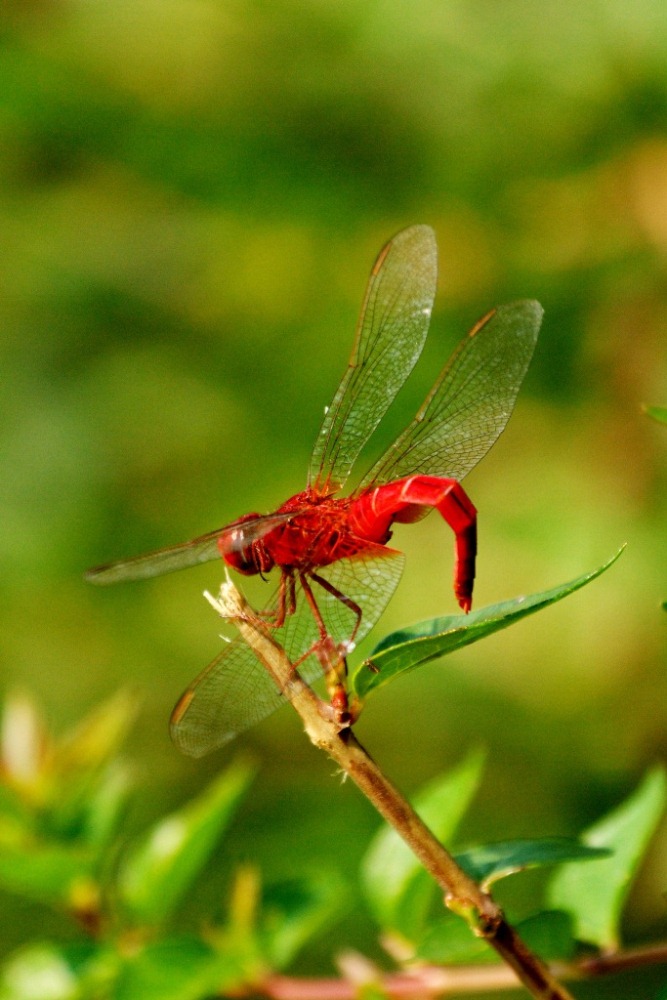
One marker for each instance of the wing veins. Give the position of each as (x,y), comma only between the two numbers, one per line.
(456,425)
(391,331)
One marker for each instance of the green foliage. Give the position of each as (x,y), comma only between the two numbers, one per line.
(492,862)
(658,413)
(62,805)
(595,895)
(410,647)
(174,968)
(123,893)
(294,911)
(398,889)
(582,903)
(159,869)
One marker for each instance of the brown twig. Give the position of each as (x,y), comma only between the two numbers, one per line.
(438,981)
(620,961)
(461,893)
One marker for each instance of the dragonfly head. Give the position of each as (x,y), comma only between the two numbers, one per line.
(242,549)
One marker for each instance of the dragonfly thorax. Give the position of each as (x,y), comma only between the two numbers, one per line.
(317,534)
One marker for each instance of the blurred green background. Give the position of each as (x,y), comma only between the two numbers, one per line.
(191,195)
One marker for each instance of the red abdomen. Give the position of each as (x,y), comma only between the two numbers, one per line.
(405,500)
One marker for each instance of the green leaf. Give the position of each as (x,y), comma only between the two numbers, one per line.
(294,911)
(658,413)
(98,737)
(48,873)
(156,873)
(15,815)
(45,971)
(40,972)
(82,763)
(491,862)
(398,889)
(106,806)
(450,940)
(410,647)
(549,935)
(595,894)
(180,968)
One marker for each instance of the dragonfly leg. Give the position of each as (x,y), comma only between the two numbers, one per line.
(286,606)
(331,656)
(347,601)
(286,598)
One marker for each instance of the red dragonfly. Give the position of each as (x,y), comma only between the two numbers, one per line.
(337,572)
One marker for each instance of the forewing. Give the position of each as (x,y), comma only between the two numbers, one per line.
(390,335)
(470,403)
(198,550)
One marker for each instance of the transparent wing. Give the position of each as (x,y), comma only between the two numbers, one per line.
(369,579)
(230,695)
(470,403)
(198,550)
(235,691)
(390,335)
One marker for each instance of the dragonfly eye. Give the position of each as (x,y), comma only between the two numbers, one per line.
(242,551)
(243,561)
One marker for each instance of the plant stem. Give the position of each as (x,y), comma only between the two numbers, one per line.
(461,893)
(432,981)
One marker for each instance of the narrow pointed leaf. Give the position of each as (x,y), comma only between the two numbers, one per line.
(448,941)
(47,872)
(16,816)
(164,863)
(658,413)
(410,647)
(98,737)
(491,862)
(595,894)
(549,935)
(82,762)
(45,971)
(397,887)
(183,968)
(106,806)
(295,910)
